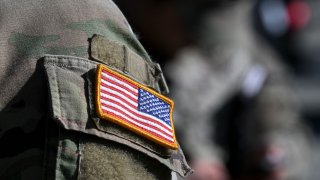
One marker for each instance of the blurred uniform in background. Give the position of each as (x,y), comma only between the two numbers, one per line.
(53,57)
(235,108)
(293,33)
(234,90)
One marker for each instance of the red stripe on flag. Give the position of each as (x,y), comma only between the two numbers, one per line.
(119,85)
(141,116)
(124,94)
(170,138)
(120,79)
(117,97)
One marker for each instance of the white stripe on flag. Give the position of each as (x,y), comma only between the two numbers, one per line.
(118,88)
(118,81)
(138,124)
(135,104)
(137,118)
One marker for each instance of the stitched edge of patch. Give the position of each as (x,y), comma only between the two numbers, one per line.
(124,124)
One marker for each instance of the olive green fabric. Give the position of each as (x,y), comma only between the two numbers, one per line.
(47,128)
(123,58)
(114,165)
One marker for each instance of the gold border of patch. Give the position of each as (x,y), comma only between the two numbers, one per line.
(124,124)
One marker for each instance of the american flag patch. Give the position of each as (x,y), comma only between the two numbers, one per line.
(135,107)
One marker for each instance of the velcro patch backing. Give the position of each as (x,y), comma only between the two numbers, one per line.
(134,106)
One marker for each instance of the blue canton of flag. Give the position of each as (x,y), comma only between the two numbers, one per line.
(152,105)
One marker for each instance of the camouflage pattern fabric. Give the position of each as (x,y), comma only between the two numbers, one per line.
(48,129)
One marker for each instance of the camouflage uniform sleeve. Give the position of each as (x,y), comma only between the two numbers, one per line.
(49,127)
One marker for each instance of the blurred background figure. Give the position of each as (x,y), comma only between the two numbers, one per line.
(292,28)
(293,32)
(231,65)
